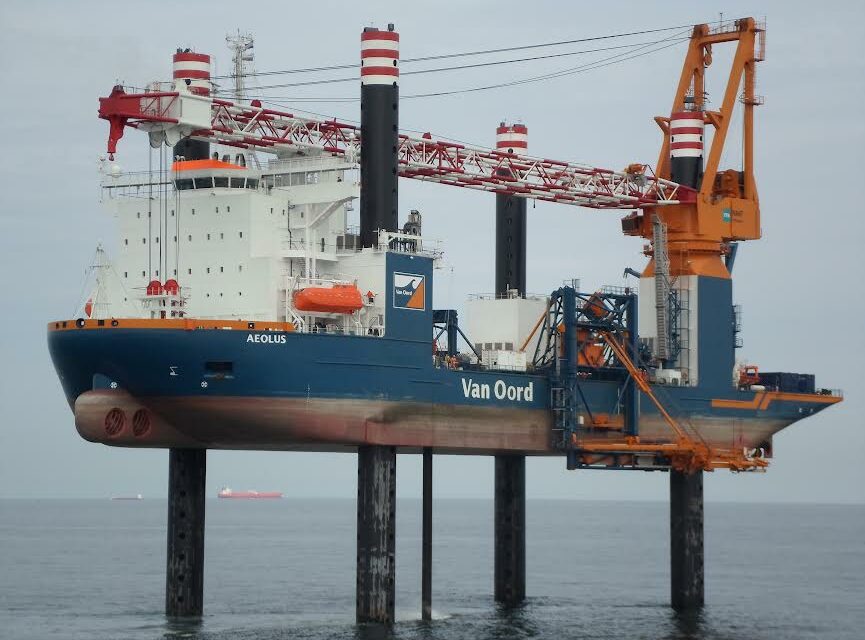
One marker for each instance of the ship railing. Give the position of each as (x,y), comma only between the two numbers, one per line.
(334,329)
(432,249)
(301,281)
(349,243)
(819,391)
(835,393)
(307,167)
(134,184)
(143,184)
(317,247)
(511,294)
(401,242)
(442,362)
(615,290)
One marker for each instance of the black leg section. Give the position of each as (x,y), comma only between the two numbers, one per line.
(184,576)
(426,552)
(510,529)
(376,527)
(686,540)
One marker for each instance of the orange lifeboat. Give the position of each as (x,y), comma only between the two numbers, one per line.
(341,298)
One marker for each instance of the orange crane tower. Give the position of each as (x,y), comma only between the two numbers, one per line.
(727,208)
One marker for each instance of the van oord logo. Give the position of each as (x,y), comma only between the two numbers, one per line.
(409,291)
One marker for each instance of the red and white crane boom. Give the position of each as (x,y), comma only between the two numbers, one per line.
(171,115)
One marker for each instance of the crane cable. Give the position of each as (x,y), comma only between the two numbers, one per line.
(464,54)
(597,64)
(463,66)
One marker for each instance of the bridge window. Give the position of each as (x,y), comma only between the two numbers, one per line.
(204,183)
(220,182)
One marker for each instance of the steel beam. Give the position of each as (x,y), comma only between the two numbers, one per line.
(426,544)
(510,529)
(184,576)
(376,532)
(686,540)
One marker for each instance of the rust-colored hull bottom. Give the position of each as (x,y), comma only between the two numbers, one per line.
(318,424)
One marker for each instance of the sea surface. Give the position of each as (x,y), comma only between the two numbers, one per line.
(94,569)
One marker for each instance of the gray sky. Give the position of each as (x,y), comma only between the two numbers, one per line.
(801,296)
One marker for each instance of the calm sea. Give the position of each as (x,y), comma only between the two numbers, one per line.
(285,569)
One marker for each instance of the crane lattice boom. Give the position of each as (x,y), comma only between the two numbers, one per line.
(171,115)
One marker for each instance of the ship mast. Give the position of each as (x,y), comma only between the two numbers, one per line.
(241,45)
(243,59)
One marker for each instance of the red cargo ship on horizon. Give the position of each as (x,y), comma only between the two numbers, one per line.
(225,492)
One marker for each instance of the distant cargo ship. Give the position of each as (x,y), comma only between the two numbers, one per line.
(137,496)
(225,492)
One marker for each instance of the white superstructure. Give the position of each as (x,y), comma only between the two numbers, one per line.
(231,236)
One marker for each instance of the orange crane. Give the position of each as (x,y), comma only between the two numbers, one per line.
(726,208)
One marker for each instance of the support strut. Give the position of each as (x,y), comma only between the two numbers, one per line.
(376,532)
(184,575)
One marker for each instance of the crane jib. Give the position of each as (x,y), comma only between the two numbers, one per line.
(178,114)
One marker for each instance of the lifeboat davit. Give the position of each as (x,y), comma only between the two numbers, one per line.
(340,298)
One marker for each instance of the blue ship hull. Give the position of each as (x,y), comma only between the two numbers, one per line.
(275,390)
